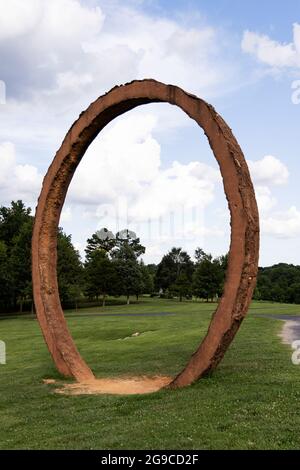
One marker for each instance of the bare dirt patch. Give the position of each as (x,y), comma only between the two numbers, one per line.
(116,386)
(49,381)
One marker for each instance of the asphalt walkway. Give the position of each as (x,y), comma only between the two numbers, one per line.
(291,328)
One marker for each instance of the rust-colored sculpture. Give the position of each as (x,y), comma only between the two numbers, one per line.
(244,247)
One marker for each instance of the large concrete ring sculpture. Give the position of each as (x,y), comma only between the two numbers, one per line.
(244,246)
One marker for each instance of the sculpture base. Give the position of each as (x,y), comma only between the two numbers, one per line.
(115,386)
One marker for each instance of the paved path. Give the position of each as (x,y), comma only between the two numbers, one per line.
(145,314)
(291,329)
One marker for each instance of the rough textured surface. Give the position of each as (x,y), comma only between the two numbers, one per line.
(244,246)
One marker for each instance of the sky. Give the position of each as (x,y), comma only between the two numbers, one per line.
(151,170)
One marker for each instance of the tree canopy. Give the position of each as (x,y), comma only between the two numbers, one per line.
(16,224)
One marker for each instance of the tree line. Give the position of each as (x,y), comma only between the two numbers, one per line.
(178,275)
(16,224)
(279,283)
(113,266)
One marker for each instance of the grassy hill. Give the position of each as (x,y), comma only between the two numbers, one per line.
(252,401)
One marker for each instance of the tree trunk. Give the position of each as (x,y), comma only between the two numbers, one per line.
(103,300)
(21,305)
(128,301)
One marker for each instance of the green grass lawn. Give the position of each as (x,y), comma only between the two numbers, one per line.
(252,401)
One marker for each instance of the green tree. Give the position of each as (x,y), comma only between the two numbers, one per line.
(100,275)
(172,265)
(15,227)
(200,255)
(130,279)
(129,239)
(20,264)
(6,292)
(182,286)
(278,283)
(293,293)
(207,279)
(221,264)
(103,239)
(11,221)
(147,279)
(69,269)
(119,271)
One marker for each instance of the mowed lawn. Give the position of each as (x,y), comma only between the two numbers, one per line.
(252,401)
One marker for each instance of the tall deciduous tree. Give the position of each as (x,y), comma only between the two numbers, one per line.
(15,234)
(103,239)
(11,221)
(112,265)
(130,279)
(207,277)
(182,286)
(147,279)
(69,269)
(20,263)
(129,239)
(175,265)
(6,292)
(100,275)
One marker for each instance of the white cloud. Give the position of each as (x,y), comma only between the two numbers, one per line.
(41,41)
(47,20)
(58,56)
(124,166)
(268,171)
(174,188)
(64,68)
(165,50)
(66,215)
(265,173)
(71,42)
(273,53)
(18,17)
(124,160)
(50,77)
(82,21)
(70,81)
(283,224)
(265,200)
(17,181)
(121,182)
